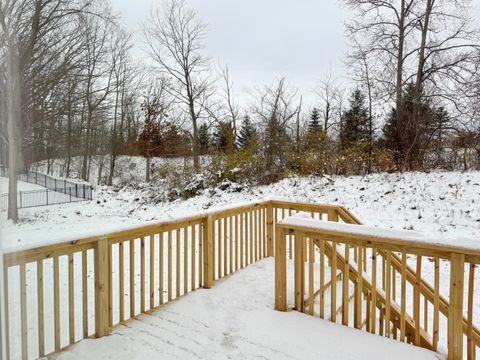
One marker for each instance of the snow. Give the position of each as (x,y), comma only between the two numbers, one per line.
(433,204)
(21,186)
(404,236)
(437,204)
(235,319)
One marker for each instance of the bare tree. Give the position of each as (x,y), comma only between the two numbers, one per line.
(33,32)
(276,109)
(175,38)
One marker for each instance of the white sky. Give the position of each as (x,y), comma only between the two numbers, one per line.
(263,40)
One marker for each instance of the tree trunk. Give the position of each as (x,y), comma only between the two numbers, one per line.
(13,132)
(399,70)
(147,168)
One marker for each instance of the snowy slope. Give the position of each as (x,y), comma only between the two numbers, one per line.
(438,202)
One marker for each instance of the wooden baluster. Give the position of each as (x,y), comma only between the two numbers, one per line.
(208,252)
(455,310)
(345,288)
(237,241)
(333,284)
(84,294)
(403,304)
(40,310)
(470,342)
(270,229)
(193,256)
(359,290)
(322,279)
(110,287)
(71,300)
(132,278)
(243,231)
(142,274)
(121,291)
(436,303)
(169,266)
(280,271)
(250,233)
(160,267)
(262,234)
(152,271)
(299,274)
(185,260)
(311,262)
(394,284)
(373,310)
(23,311)
(177,263)
(201,239)
(230,238)
(225,247)
(388,295)
(367,313)
(56,303)
(259,240)
(416,300)
(219,247)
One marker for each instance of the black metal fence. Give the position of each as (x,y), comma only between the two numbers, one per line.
(58,191)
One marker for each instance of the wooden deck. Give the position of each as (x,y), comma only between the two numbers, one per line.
(235,319)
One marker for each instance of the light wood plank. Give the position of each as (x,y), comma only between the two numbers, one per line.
(71,299)
(132,277)
(121,281)
(23,312)
(56,304)
(40,310)
(403,305)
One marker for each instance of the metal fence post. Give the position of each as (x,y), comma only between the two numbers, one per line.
(84,191)
(64,186)
(76,191)
(20,193)
(46,192)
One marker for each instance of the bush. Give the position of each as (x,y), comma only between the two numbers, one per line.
(240,166)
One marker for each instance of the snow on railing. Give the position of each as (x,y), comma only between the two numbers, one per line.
(374,276)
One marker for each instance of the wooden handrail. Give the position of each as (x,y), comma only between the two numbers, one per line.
(386,244)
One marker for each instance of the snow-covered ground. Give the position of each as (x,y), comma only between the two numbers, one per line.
(437,204)
(21,186)
(235,320)
(433,203)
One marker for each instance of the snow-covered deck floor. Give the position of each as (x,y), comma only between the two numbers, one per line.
(235,320)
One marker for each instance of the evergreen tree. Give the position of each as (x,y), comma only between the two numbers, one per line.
(203,139)
(355,121)
(248,134)
(223,137)
(314,126)
(411,136)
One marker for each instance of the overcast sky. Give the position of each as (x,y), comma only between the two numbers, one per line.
(263,40)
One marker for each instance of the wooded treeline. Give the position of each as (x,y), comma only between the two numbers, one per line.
(72,87)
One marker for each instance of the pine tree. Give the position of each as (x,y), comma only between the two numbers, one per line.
(314,126)
(355,121)
(203,139)
(248,134)
(223,137)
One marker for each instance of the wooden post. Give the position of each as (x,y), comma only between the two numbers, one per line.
(280,271)
(270,250)
(208,265)
(455,310)
(101,288)
(299,270)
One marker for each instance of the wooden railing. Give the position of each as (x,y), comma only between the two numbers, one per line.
(385,295)
(56,295)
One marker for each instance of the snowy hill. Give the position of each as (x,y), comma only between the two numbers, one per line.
(437,202)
